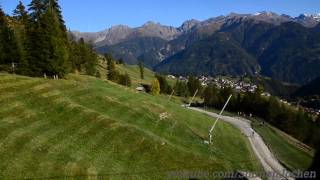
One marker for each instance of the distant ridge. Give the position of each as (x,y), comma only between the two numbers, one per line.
(278,46)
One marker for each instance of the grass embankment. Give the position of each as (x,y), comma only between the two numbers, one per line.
(132,70)
(289,151)
(83,127)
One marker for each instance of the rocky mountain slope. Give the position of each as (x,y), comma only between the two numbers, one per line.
(279,46)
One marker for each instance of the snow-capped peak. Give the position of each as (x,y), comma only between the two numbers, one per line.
(314,16)
(265,13)
(257,13)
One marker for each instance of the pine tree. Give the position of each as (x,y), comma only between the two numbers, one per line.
(155,87)
(54,5)
(37,40)
(125,80)
(20,14)
(181,89)
(22,18)
(48,44)
(82,58)
(9,50)
(193,85)
(37,8)
(128,80)
(165,88)
(112,74)
(141,68)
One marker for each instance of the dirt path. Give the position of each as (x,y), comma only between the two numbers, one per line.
(269,162)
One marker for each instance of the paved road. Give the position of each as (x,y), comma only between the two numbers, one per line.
(267,159)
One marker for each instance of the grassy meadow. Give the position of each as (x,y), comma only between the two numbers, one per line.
(84,128)
(289,151)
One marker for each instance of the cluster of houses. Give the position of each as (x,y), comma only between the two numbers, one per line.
(221,82)
(312,111)
(238,85)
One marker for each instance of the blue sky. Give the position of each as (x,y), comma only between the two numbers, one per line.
(95,15)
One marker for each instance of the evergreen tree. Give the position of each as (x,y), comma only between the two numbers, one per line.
(36,8)
(112,74)
(91,62)
(141,68)
(54,5)
(125,80)
(165,88)
(57,52)
(82,58)
(193,85)
(77,57)
(20,15)
(181,89)
(155,87)
(48,43)
(9,50)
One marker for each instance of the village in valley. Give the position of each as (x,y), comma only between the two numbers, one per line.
(237,84)
(240,84)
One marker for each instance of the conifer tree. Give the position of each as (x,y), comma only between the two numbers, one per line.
(48,44)
(9,51)
(20,14)
(54,5)
(36,8)
(82,58)
(155,87)
(22,18)
(141,68)
(193,85)
(125,80)
(111,67)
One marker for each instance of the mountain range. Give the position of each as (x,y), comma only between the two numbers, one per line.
(279,46)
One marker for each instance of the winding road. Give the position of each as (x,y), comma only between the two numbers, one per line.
(270,164)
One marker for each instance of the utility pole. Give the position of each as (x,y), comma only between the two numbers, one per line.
(193,97)
(214,125)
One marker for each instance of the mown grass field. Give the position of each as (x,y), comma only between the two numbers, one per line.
(290,152)
(132,70)
(82,127)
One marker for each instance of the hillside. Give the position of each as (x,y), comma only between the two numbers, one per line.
(278,46)
(310,89)
(274,87)
(309,94)
(217,55)
(136,49)
(77,128)
(132,70)
(288,52)
(289,151)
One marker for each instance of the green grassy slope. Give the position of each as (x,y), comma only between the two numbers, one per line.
(83,126)
(132,70)
(293,154)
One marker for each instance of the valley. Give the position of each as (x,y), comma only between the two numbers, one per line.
(263,43)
